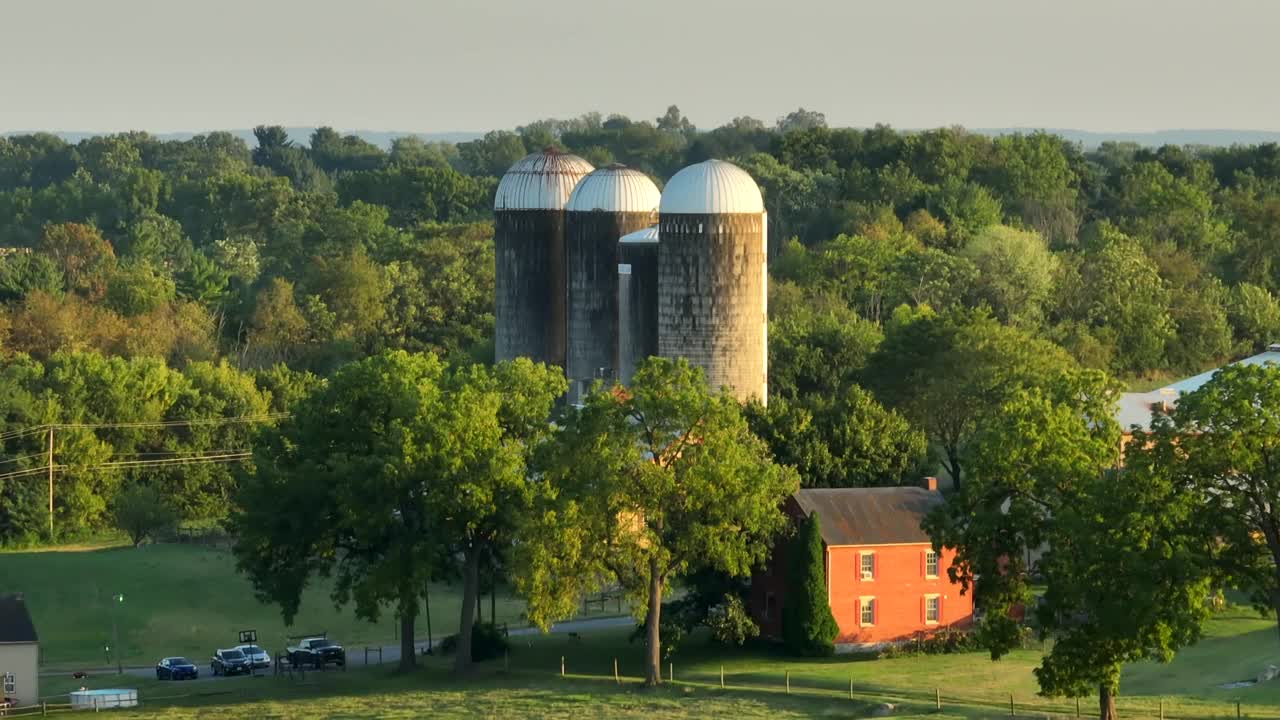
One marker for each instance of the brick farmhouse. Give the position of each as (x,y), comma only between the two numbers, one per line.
(884,581)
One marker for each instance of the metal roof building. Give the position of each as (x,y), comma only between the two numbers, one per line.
(1136,409)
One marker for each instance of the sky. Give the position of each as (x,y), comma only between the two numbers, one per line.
(473,65)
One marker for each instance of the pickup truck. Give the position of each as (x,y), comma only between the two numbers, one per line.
(316,652)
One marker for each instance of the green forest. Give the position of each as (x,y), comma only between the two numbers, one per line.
(918,278)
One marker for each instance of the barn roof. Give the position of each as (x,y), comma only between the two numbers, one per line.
(870,516)
(15,621)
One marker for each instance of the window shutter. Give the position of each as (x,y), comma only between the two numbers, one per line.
(875,566)
(857,569)
(939,609)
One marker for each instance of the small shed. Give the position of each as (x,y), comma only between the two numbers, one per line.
(19,653)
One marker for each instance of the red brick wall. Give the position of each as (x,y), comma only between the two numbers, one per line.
(899,588)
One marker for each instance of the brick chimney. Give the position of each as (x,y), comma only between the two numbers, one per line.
(930,483)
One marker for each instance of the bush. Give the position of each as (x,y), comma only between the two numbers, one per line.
(487,642)
(730,622)
(946,641)
(142,513)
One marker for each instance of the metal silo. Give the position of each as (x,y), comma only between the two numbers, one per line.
(528,240)
(712,276)
(637,300)
(606,204)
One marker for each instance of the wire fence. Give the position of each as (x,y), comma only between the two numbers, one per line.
(865,698)
(924,699)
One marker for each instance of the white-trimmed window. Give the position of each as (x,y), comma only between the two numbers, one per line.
(932,609)
(867,565)
(930,564)
(10,685)
(867,611)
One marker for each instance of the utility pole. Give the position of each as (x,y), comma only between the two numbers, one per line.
(50,483)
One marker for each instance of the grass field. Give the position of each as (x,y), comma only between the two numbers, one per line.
(529,685)
(185,599)
(180,600)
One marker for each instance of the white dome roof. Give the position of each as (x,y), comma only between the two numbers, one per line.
(647,235)
(712,187)
(540,181)
(615,188)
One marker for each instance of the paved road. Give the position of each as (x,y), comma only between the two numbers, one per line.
(390,653)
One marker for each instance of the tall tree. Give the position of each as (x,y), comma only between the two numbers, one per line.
(808,627)
(1228,436)
(392,470)
(1043,480)
(643,486)
(950,374)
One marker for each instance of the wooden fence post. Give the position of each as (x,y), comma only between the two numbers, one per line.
(561,666)
(1011,705)
(788,682)
(1237,710)
(850,687)
(616,677)
(1161,708)
(937,698)
(671,674)
(1077,707)
(722,677)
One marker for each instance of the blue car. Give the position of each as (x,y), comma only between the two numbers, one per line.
(176,668)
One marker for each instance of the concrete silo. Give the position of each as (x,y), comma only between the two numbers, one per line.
(637,300)
(529,244)
(606,204)
(713,277)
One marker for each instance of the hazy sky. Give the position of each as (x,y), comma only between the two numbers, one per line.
(442,65)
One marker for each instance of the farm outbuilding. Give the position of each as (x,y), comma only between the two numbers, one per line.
(19,653)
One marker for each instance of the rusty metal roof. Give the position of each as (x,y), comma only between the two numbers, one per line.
(15,621)
(870,516)
(540,181)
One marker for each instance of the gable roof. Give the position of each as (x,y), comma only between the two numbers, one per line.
(15,621)
(870,516)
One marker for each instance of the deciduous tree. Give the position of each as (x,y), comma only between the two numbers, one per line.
(642,486)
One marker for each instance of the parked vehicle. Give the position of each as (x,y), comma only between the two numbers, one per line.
(176,668)
(258,657)
(229,662)
(317,652)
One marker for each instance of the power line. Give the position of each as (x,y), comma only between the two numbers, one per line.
(21,458)
(151,424)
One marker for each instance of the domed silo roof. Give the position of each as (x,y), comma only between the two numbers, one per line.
(540,181)
(647,235)
(615,188)
(712,187)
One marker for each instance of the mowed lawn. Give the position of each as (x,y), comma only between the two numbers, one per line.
(527,684)
(182,600)
(188,599)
